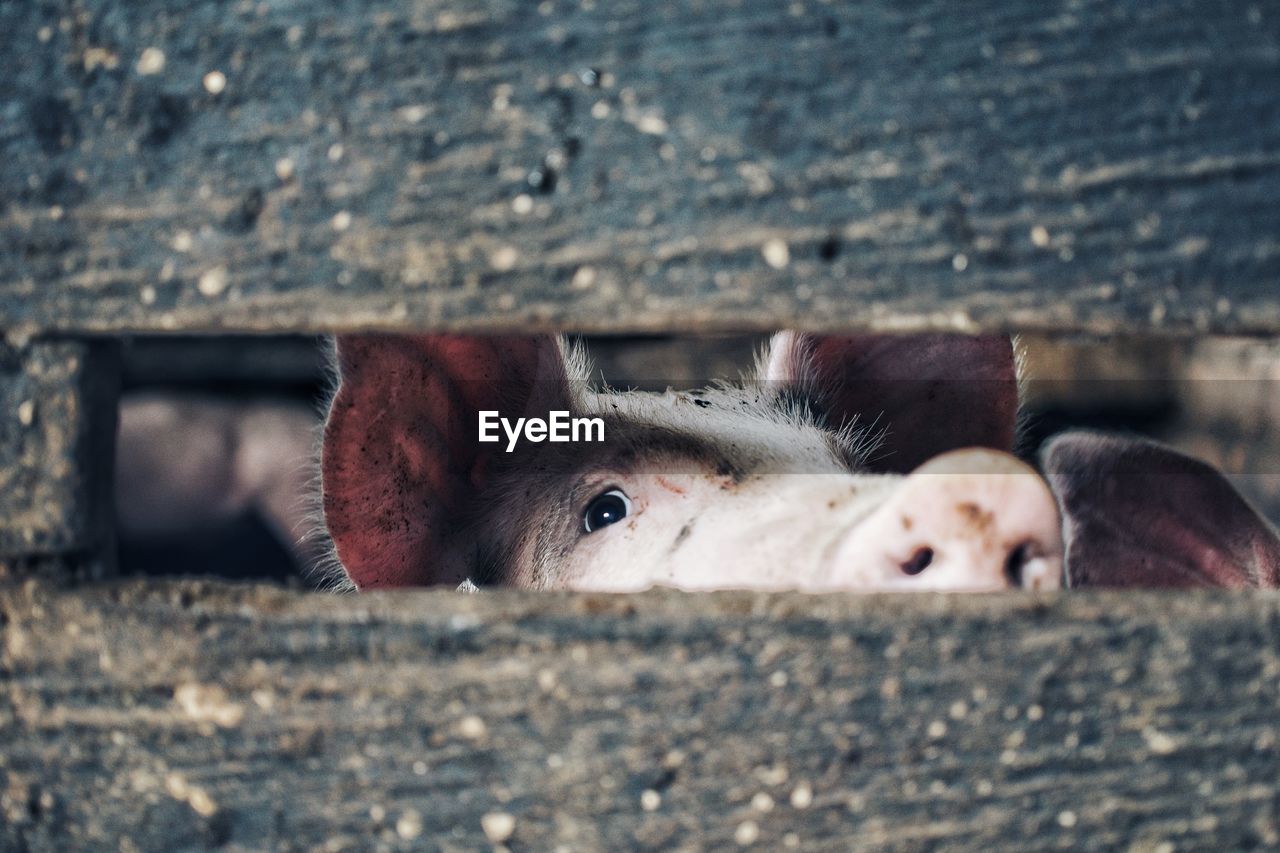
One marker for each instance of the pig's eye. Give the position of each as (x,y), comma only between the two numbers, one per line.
(608,508)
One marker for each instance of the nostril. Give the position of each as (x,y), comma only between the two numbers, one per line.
(919,561)
(1016,562)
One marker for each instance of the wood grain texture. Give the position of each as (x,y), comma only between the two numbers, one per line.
(57,443)
(639,166)
(188,715)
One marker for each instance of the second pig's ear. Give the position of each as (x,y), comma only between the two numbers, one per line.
(931,393)
(401,462)
(1139,514)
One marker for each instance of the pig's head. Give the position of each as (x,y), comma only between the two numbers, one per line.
(859,462)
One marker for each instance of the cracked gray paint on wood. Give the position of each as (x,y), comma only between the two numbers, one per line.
(57,442)
(183,715)
(484,166)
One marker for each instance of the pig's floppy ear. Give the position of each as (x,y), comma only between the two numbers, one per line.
(932,392)
(401,462)
(1139,514)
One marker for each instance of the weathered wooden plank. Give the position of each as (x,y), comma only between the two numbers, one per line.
(147,716)
(57,443)
(729,164)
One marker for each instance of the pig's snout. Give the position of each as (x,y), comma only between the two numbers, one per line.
(969,520)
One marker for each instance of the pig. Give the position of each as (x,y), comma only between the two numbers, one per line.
(845,462)
(192,462)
